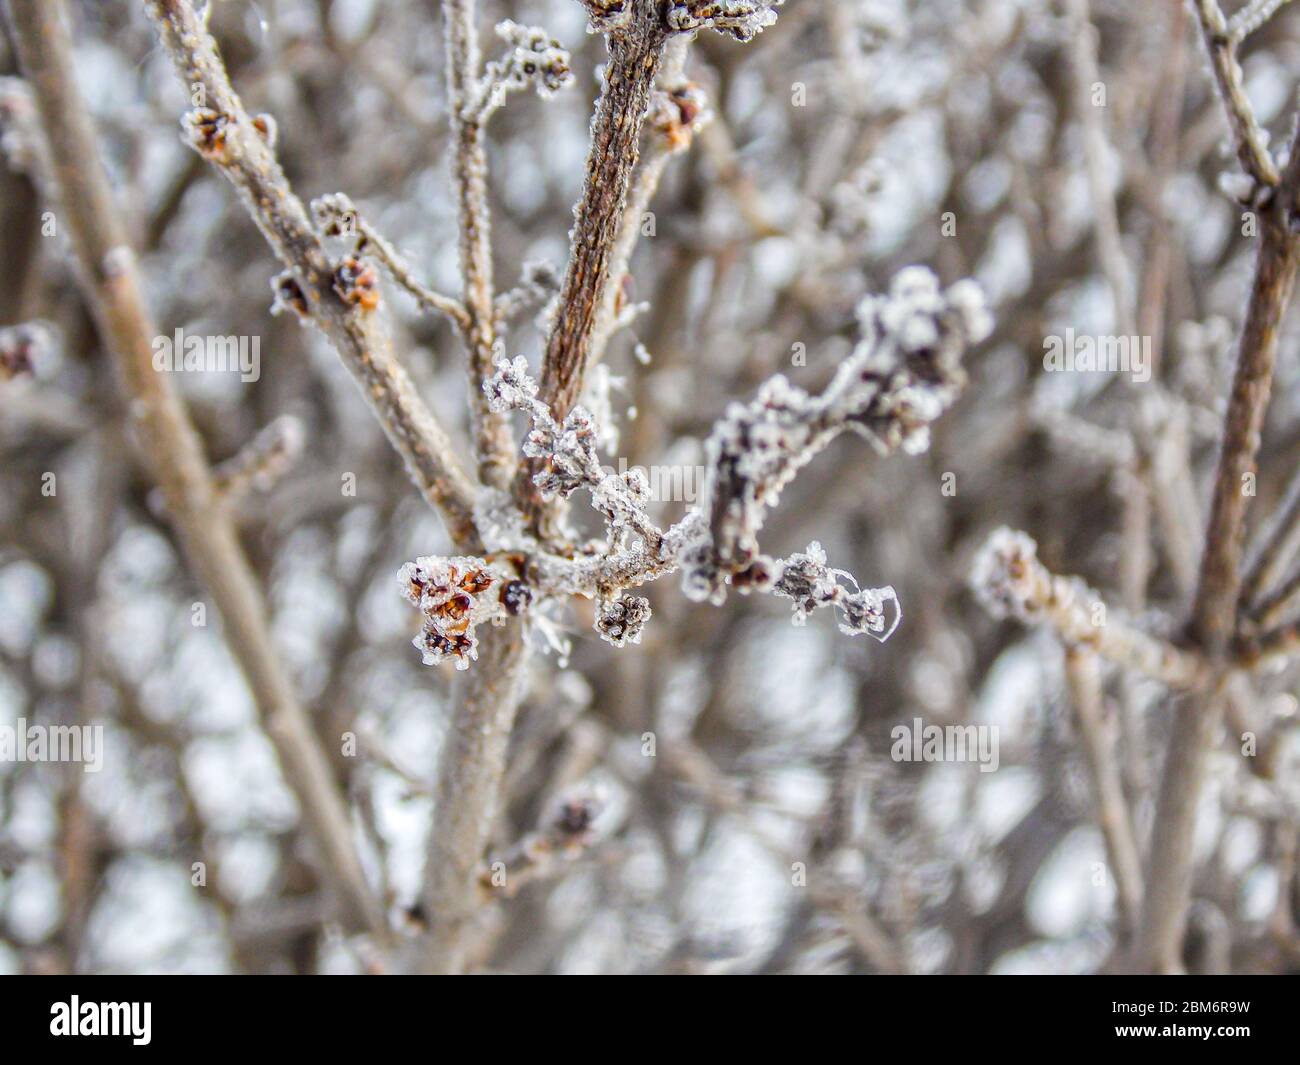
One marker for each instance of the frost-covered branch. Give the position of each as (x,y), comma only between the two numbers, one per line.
(1250,140)
(636,32)
(1011,583)
(678,110)
(337,216)
(333,295)
(904,373)
(466,93)
(1214,619)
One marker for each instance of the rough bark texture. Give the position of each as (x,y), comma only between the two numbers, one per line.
(634,57)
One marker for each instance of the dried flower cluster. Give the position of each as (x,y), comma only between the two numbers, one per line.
(456,595)
(534,58)
(741,19)
(902,375)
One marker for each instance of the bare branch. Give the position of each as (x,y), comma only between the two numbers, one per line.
(1113,816)
(333,295)
(1250,140)
(493,444)
(1012,583)
(172,447)
(338,217)
(1214,614)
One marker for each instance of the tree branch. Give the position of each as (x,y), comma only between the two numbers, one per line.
(172,447)
(635,52)
(1214,612)
(325,291)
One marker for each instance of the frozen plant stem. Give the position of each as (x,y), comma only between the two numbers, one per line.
(468,792)
(224,133)
(1012,582)
(493,445)
(635,52)
(1214,611)
(1083,674)
(172,447)
(1251,146)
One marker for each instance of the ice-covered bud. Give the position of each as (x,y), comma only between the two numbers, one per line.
(570,453)
(863,611)
(289,296)
(356,283)
(455,595)
(335,215)
(677,114)
(621,620)
(510,388)
(535,59)
(26,349)
(267,128)
(1007,577)
(742,19)
(811,584)
(805,579)
(207,132)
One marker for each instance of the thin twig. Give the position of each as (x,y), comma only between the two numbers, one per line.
(1013,583)
(1279,544)
(1247,136)
(494,446)
(1113,816)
